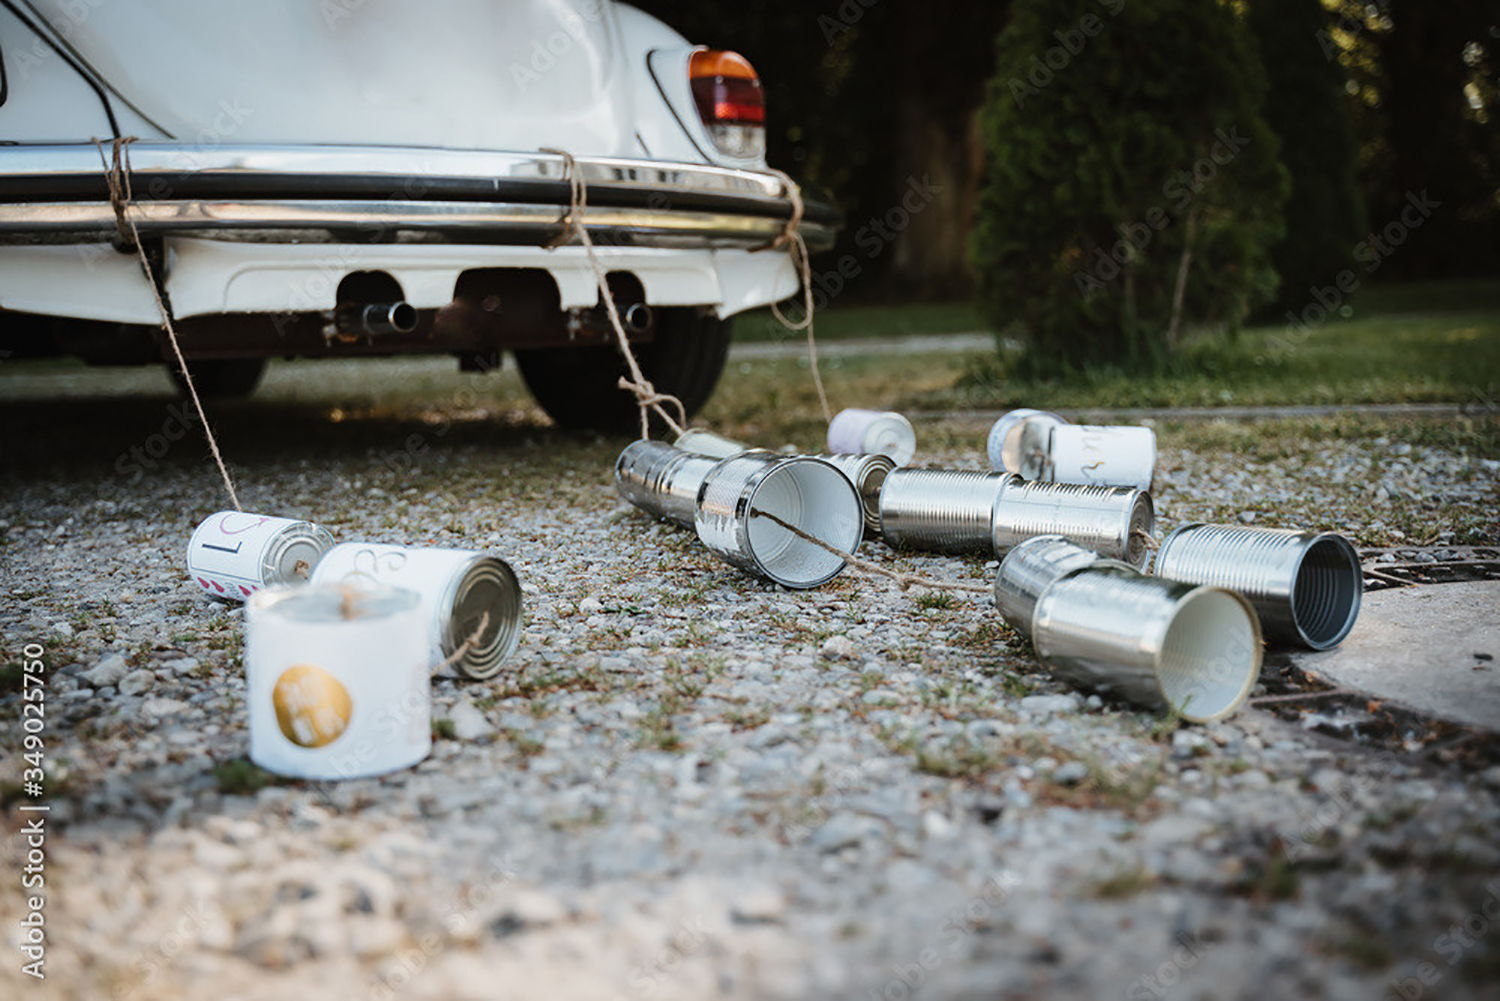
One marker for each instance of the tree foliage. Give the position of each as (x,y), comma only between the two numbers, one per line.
(1308,109)
(1134,188)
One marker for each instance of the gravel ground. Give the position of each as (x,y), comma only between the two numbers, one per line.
(689,783)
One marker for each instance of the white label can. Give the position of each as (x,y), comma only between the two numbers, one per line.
(862,432)
(233,554)
(338,682)
(1107,456)
(458,588)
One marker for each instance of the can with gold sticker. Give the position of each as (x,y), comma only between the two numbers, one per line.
(338,681)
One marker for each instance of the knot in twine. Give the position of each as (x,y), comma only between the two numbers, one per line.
(570,224)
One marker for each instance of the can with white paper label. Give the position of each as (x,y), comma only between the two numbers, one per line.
(458,587)
(233,554)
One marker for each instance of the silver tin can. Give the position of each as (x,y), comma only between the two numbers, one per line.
(1042,446)
(868,473)
(1032,567)
(1158,643)
(942,510)
(805,492)
(1018,442)
(457,586)
(1112,521)
(863,431)
(1305,586)
(232,554)
(662,480)
(703,442)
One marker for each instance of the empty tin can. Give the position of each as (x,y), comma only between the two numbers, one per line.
(942,510)
(232,554)
(1305,586)
(1018,442)
(1043,446)
(1033,566)
(802,491)
(864,431)
(338,682)
(662,480)
(1112,521)
(457,587)
(704,442)
(868,473)
(1158,643)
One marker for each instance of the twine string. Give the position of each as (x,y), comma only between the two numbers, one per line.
(903,580)
(570,223)
(791,236)
(121,199)
(467,645)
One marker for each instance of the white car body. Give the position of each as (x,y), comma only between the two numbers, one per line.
(283,145)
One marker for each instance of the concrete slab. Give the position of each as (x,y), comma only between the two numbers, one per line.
(1434,648)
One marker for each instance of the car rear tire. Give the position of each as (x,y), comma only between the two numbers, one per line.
(578,387)
(220,378)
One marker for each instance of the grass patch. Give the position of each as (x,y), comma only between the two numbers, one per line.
(243,777)
(1124,883)
(846,323)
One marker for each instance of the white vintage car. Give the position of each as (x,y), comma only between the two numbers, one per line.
(320,178)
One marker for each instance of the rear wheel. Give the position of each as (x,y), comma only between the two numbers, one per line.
(578,387)
(220,378)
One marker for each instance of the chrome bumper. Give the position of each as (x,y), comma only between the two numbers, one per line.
(354,194)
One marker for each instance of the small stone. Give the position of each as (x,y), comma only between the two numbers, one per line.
(881,697)
(844,830)
(1491,777)
(1071,773)
(137,682)
(759,905)
(1247,517)
(62,629)
(182,665)
(1188,744)
(468,722)
(838,648)
(1047,705)
(159,708)
(108,671)
(588,606)
(936,826)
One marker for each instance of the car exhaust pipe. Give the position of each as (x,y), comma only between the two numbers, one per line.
(375,319)
(637,318)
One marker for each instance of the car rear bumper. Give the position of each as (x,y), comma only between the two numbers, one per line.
(58,194)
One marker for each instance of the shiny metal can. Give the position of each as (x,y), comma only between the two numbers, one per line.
(1305,586)
(701,441)
(1019,442)
(808,493)
(1158,643)
(233,554)
(1042,446)
(458,587)
(1032,567)
(868,473)
(662,480)
(941,510)
(855,431)
(1112,521)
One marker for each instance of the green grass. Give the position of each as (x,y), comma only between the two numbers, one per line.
(846,323)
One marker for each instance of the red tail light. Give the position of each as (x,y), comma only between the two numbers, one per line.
(730,101)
